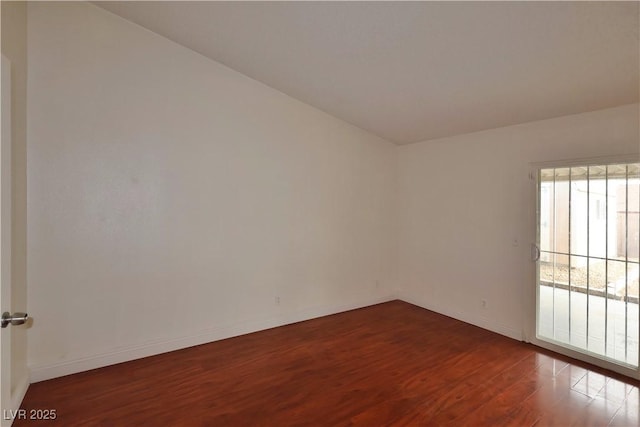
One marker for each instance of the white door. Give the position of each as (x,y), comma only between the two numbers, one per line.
(9,409)
(5,240)
(588,221)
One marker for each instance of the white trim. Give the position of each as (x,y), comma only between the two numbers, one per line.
(482,322)
(54,370)
(589,161)
(601,362)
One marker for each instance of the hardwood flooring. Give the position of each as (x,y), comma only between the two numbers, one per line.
(392,364)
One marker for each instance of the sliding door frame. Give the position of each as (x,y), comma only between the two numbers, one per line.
(531,293)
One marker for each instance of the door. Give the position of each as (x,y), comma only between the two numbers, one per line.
(5,240)
(9,403)
(588,240)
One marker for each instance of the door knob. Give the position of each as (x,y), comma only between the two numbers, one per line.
(14,319)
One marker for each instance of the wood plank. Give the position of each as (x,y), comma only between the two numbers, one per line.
(389,364)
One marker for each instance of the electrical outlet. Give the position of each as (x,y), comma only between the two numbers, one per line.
(483,303)
(277,300)
(377,284)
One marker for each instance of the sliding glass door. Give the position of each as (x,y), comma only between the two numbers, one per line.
(588,265)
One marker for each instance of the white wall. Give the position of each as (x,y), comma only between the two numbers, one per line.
(14,47)
(171,199)
(463,201)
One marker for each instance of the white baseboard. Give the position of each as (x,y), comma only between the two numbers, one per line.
(482,322)
(55,370)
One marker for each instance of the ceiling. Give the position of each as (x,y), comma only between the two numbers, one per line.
(413,71)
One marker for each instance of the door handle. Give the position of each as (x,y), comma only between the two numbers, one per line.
(14,319)
(535,252)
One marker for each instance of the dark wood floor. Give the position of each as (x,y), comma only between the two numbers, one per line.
(389,364)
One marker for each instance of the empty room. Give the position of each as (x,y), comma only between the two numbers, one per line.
(320,213)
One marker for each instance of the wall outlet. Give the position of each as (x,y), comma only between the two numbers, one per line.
(277,300)
(483,303)
(377,284)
